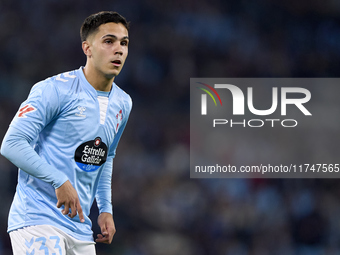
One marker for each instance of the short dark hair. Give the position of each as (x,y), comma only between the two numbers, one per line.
(92,22)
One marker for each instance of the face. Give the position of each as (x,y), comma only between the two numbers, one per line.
(107,49)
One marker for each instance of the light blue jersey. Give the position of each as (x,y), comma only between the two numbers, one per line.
(65,130)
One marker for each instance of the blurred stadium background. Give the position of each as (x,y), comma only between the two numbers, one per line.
(159,210)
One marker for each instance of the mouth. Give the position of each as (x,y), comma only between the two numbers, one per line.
(116,62)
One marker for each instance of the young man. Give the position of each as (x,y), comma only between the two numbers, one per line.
(64,139)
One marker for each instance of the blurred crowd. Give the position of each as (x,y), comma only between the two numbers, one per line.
(158,209)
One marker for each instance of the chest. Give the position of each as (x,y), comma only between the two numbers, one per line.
(85,118)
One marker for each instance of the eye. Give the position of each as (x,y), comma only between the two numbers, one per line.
(124,43)
(108,41)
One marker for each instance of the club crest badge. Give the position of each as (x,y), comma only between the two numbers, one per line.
(119,118)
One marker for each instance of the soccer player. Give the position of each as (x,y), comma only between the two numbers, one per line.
(63,140)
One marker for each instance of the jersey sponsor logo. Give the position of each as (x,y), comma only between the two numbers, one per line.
(89,156)
(119,118)
(25,110)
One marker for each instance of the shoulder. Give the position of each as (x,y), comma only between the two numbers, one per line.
(62,84)
(64,81)
(124,97)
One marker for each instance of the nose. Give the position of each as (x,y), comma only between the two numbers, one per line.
(118,49)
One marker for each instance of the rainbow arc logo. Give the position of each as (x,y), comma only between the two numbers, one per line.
(204,97)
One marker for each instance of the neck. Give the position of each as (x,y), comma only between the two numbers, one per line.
(97,80)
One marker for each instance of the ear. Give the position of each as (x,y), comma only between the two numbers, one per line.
(86,48)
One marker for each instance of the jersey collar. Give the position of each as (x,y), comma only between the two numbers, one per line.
(88,86)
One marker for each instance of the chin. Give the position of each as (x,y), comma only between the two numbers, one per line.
(111,75)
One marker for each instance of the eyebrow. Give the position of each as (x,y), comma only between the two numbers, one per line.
(115,37)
